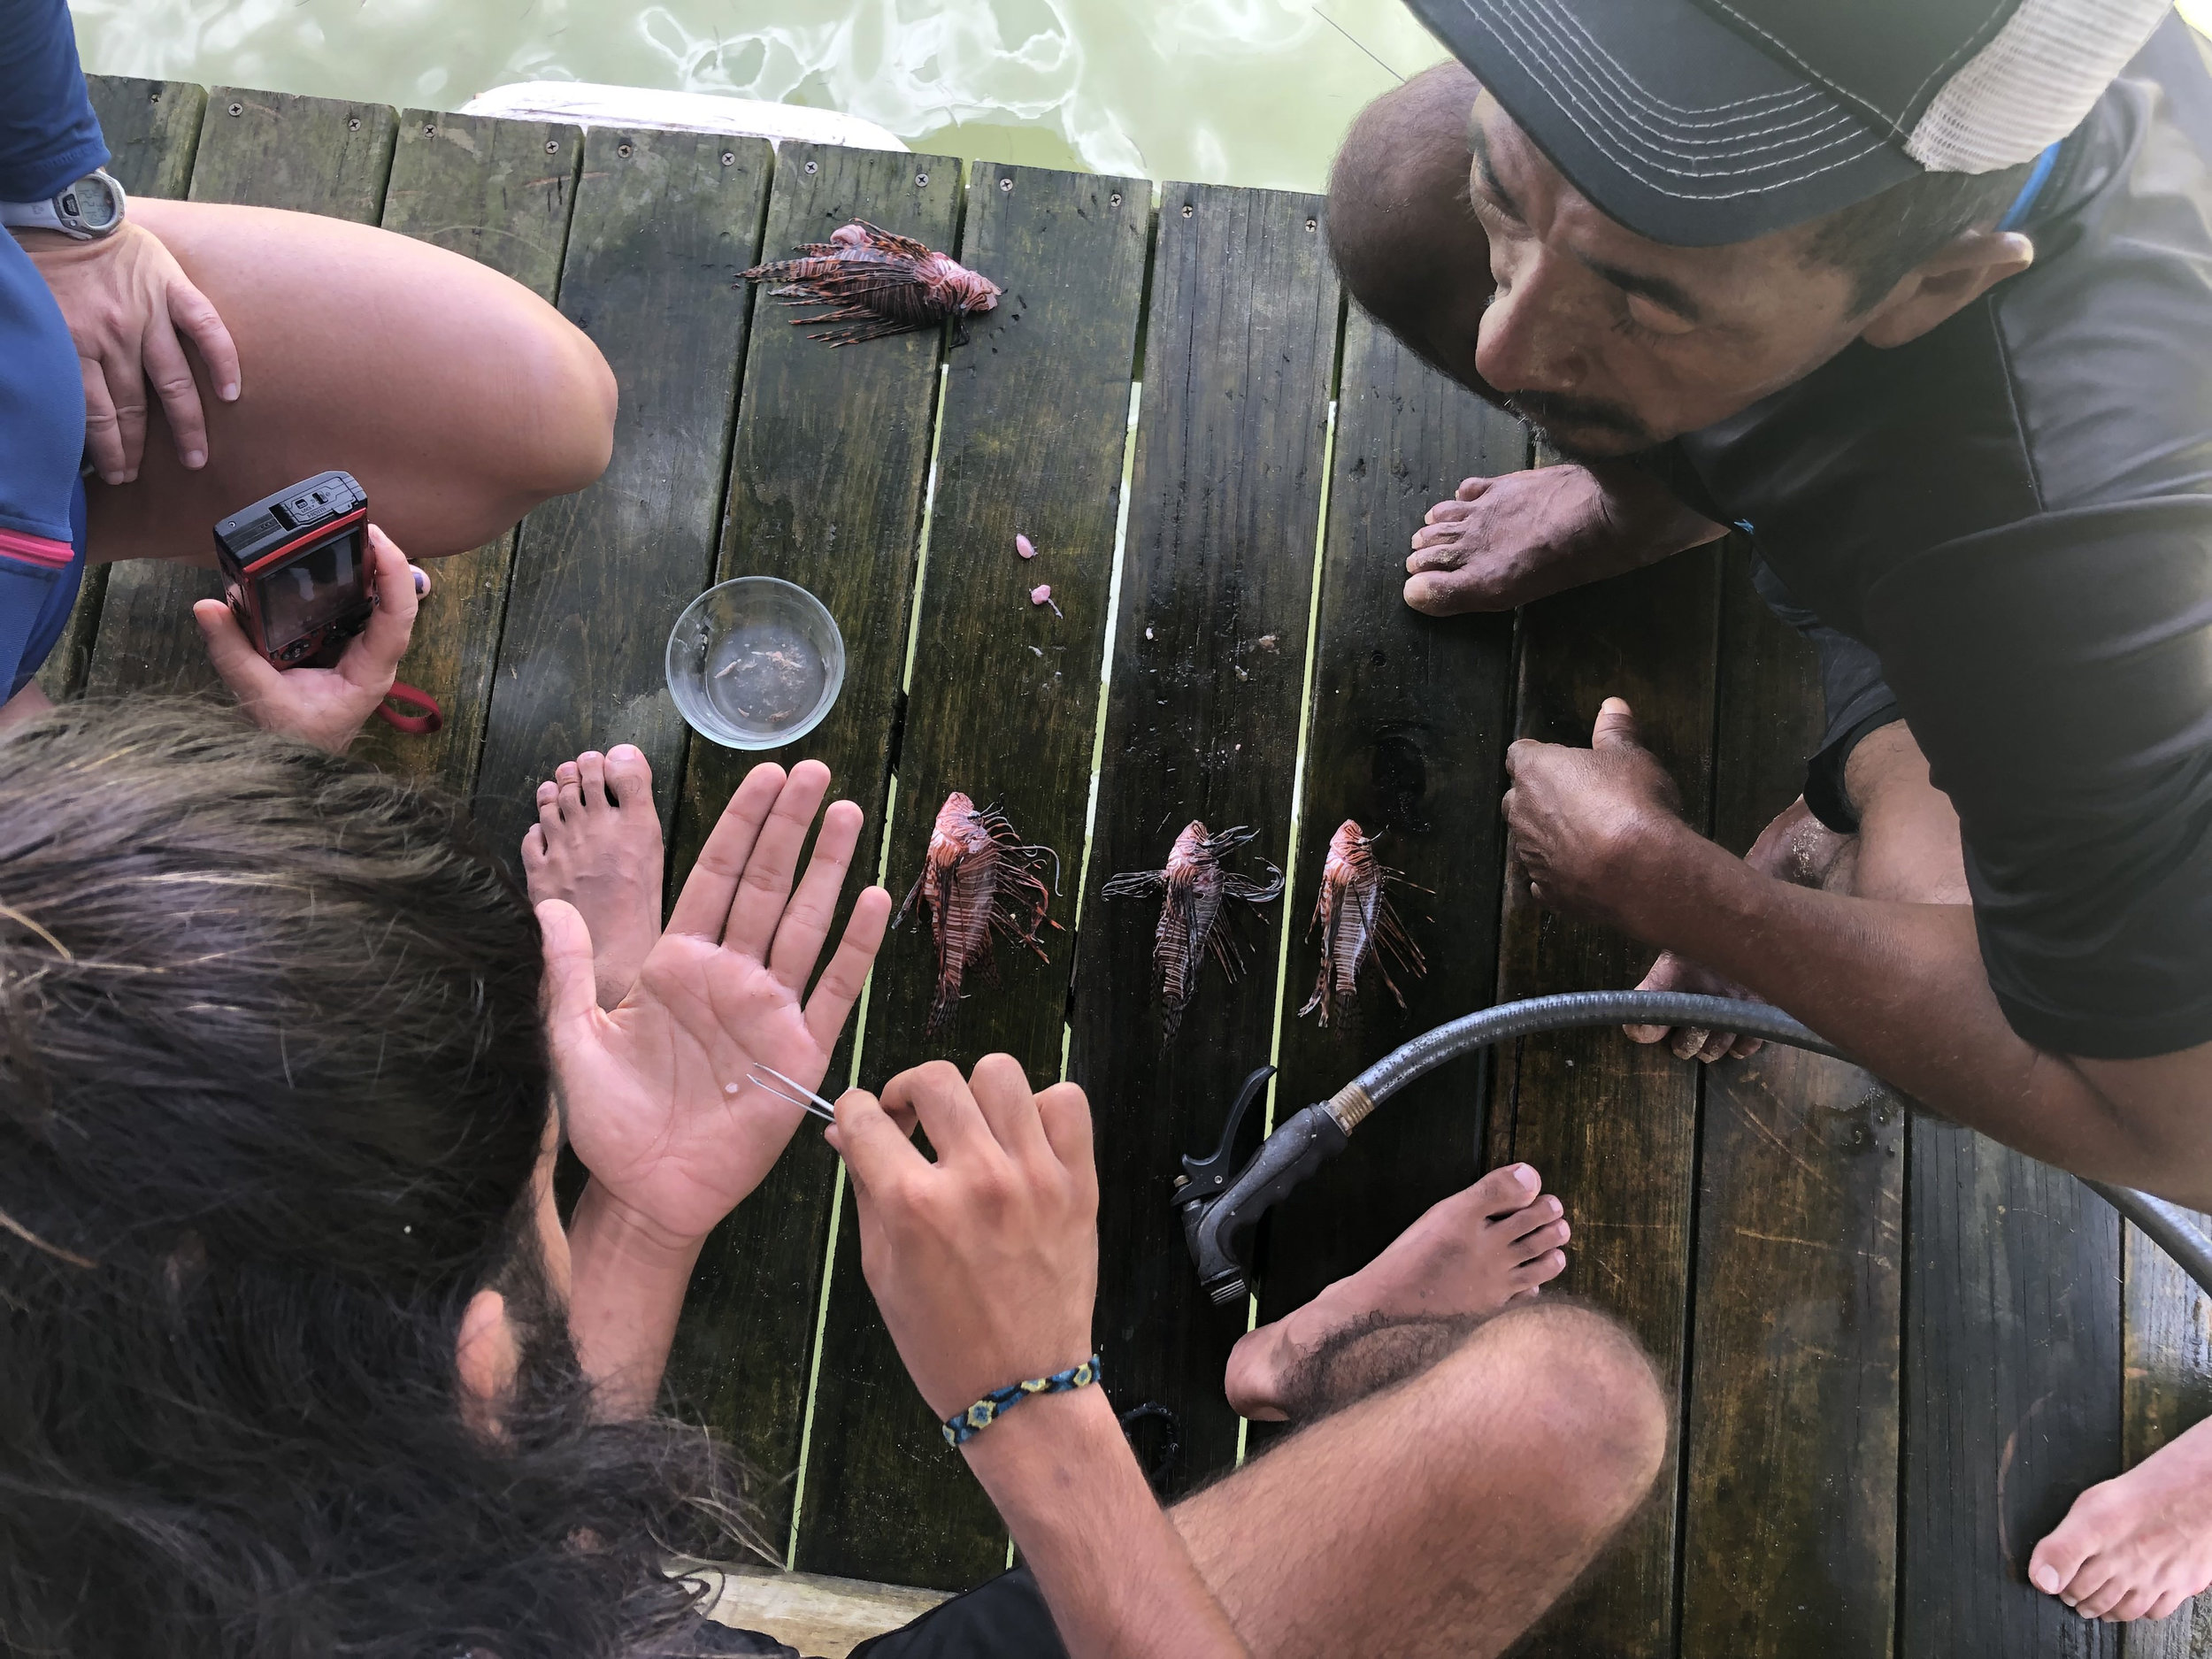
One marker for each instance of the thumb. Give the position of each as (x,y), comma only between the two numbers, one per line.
(571,993)
(372,657)
(244,670)
(1616,726)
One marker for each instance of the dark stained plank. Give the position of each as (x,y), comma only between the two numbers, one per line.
(1411,718)
(1790,1524)
(2168,1390)
(1202,722)
(825,486)
(152,128)
(499,192)
(2012,1393)
(663,223)
(1003,706)
(1611,1125)
(256,150)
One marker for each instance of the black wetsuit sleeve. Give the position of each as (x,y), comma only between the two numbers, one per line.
(2057,672)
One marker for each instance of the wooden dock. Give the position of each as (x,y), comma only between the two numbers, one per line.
(1899,1350)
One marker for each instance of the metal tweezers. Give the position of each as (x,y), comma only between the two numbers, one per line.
(815,1105)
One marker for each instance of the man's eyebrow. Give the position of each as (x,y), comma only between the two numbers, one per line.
(1658,289)
(1478,146)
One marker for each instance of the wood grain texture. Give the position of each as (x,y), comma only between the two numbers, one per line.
(152,130)
(1612,1126)
(1411,718)
(2167,1389)
(256,150)
(661,226)
(1002,705)
(499,192)
(826,485)
(1790,1520)
(2012,1393)
(1202,722)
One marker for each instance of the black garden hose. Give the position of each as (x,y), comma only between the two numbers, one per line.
(1220,1234)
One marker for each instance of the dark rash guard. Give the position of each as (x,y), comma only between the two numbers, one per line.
(2015,513)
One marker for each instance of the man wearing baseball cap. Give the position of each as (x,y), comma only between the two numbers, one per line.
(1918,294)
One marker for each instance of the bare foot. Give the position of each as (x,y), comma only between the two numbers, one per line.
(597,844)
(1796,847)
(1463,1260)
(1502,541)
(2138,1546)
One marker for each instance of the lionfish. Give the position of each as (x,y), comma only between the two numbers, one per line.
(977,877)
(1194,918)
(876,284)
(1354,914)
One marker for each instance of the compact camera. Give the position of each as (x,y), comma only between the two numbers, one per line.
(297,564)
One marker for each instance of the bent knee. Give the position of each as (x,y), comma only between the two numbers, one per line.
(573,398)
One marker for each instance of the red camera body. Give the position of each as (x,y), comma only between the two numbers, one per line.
(297,566)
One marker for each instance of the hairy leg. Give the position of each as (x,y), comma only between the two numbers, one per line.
(458,398)
(1445,1512)
(597,844)
(1466,1258)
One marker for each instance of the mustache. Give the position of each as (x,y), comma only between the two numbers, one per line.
(1550,410)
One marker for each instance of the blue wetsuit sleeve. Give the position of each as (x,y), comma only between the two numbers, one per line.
(49,135)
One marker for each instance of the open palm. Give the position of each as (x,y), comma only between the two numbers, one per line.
(655,1093)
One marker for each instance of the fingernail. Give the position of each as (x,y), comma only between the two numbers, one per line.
(422,582)
(227,391)
(195,459)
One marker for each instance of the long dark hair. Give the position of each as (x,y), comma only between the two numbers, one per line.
(273,1088)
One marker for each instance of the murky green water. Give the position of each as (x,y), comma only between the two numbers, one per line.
(1226,91)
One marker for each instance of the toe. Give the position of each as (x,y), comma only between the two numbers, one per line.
(1505,1189)
(1525,1224)
(2137,1602)
(571,787)
(2059,1557)
(2169,1604)
(591,778)
(549,812)
(1545,1268)
(629,776)
(1542,1242)
(532,847)
(2110,1587)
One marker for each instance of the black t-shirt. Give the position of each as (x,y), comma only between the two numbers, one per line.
(2014,511)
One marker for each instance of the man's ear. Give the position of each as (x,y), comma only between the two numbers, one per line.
(1946,282)
(488,1358)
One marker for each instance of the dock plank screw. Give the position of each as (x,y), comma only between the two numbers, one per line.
(1114,200)
(1188,210)
(1313,224)
(622,150)
(240,108)
(729,158)
(353,126)
(921,179)
(429,131)
(552,147)
(813,167)
(1006,184)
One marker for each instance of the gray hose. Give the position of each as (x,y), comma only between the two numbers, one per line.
(2168,1226)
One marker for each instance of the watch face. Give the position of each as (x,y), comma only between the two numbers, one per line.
(91,201)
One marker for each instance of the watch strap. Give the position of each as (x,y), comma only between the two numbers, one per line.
(40,215)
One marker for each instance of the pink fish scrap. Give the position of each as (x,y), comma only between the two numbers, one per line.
(1041,594)
(1024,546)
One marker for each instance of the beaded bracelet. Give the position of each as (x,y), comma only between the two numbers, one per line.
(958,1430)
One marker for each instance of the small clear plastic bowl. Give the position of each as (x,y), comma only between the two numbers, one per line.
(755,663)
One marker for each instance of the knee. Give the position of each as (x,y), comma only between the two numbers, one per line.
(1594,1420)
(571,395)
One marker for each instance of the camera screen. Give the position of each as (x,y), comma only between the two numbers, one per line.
(313,591)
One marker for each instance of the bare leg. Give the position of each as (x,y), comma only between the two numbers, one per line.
(1460,1502)
(458,398)
(597,844)
(2138,1546)
(1462,1260)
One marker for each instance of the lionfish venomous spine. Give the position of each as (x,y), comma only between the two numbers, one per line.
(876,283)
(1357,924)
(1194,890)
(977,879)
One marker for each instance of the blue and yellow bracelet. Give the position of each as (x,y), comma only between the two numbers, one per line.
(965,1426)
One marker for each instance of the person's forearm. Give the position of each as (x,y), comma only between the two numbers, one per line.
(627,1290)
(1113,1569)
(1901,987)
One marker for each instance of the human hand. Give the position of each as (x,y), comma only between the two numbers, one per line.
(985,1263)
(125,298)
(655,1092)
(1585,820)
(325,706)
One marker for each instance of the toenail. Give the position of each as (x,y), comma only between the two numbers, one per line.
(1524,1175)
(625,751)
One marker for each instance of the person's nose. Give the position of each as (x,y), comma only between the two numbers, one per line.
(1526,342)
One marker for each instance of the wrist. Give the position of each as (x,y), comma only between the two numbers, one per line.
(1048,1443)
(1662,870)
(617,1230)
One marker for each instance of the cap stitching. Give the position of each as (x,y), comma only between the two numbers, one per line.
(1895,123)
(1795,96)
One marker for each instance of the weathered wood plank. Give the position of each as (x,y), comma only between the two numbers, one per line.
(152,128)
(663,223)
(499,192)
(2167,1389)
(826,483)
(2012,1392)
(1790,1524)
(1003,706)
(1201,723)
(1612,1126)
(1411,718)
(256,150)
